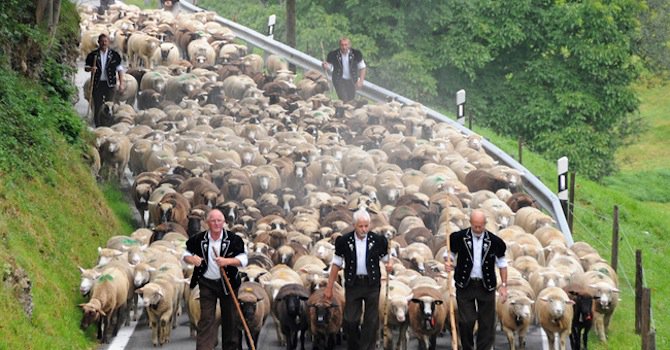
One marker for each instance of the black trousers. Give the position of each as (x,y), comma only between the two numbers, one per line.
(346,90)
(211,291)
(101,94)
(361,336)
(476,303)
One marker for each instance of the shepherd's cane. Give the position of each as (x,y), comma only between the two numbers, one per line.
(237,304)
(386,300)
(452,317)
(325,72)
(91,104)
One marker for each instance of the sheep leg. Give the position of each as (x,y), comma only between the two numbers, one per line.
(510,337)
(403,336)
(302,339)
(280,334)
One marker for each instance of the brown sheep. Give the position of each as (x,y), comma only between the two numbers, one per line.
(255,305)
(174,207)
(325,318)
(427,315)
(519,200)
(477,180)
(143,186)
(114,155)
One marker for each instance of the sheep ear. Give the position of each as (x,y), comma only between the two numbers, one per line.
(569,301)
(409,297)
(139,291)
(81,269)
(102,312)
(99,250)
(544,299)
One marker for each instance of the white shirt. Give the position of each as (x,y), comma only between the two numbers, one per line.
(346,72)
(361,254)
(103,65)
(477,243)
(213,272)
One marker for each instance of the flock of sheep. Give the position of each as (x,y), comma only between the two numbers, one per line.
(203,124)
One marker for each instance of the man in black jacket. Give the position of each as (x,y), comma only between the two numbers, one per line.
(348,69)
(211,251)
(105,64)
(360,252)
(477,253)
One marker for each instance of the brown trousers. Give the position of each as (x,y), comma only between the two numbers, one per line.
(211,291)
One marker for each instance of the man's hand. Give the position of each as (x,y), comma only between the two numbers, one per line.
(195,260)
(325,65)
(121,86)
(359,84)
(389,266)
(328,292)
(448,265)
(502,292)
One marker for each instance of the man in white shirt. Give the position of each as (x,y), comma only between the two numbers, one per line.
(348,69)
(105,64)
(212,252)
(358,253)
(477,253)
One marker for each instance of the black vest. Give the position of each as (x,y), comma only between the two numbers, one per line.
(335,58)
(113,61)
(231,246)
(377,248)
(492,247)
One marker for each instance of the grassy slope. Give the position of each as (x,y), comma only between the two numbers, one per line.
(48,228)
(641,192)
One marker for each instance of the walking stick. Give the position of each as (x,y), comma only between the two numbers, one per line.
(452,316)
(386,300)
(237,304)
(325,72)
(91,104)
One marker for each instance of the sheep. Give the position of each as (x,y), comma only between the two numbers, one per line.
(605,291)
(515,315)
(548,234)
(129,93)
(519,200)
(325,318)
(582,319)
(141,47)
(237,86)
(204,191)
(143,186)
(161,297)
(427,314)
(531,219)
(167,54)
(554,312)
(114,155)
(255,305)
(290,310)
(174,207)
(108,301)
(399,296)
(483,180)
(201,53)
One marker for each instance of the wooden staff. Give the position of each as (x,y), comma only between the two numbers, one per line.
(452,316)
(386,300)
(91,104)
(237,304)
(325,71)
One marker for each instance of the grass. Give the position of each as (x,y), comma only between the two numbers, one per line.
(48,228)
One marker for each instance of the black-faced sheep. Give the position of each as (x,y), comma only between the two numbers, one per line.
(325,318)
(427,315)
(290,308)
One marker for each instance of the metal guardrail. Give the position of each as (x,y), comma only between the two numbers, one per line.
(545,197)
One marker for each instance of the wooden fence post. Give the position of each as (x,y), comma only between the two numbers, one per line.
(615,238)
(638,289)
(646,318)
(520,150)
